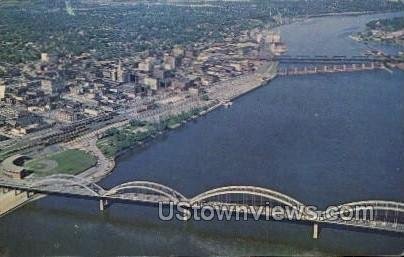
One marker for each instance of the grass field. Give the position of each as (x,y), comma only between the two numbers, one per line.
(66,162)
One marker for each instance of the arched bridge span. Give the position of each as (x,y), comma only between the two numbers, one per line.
(387,215)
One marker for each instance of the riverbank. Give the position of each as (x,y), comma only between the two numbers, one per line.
(11,201)
(322,139)
(342,14)
(383,31)
(219,94)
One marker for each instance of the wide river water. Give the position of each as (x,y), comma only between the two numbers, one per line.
(322,139)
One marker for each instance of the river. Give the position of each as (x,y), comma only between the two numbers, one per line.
(322,139)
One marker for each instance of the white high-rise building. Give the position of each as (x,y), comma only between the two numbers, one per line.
(44,57)
(121,74)
(2,90)
(48,58)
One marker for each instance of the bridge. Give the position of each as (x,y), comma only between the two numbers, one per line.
(304,65)
(337,59)
(305,70)
(386,215)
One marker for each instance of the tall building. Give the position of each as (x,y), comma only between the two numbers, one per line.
(171,62)
(2,91)
(48,86)
(178,51)
(151,82)
(44,57)
(146,65)
(121,74)
(113,75)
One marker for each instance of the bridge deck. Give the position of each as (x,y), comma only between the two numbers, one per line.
(389,215)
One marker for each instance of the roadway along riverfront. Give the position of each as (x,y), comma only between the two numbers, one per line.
(86,138)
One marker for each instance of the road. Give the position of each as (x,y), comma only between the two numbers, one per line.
(218,93)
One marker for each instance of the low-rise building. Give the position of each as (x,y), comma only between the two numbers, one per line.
(65,116)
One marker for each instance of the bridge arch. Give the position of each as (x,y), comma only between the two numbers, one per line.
(70,181)
(388,211)
(264,193)
(376,205)
(146,186)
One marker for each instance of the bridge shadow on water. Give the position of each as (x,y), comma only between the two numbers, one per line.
(133,221)
(109,215)
(362,230)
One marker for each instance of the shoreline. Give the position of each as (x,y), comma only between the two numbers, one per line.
(101,175)
(97,173)
(382,31)
(106,165)
(264,81)
(336,14)
(375,40)
(101,171)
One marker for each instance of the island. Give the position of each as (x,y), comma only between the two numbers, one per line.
(383,30)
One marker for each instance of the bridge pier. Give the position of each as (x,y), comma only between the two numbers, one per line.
(316,231)
(5,190)
(103,204)
(29,194)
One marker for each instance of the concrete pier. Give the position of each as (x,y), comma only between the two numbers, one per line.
(315,231)
(103,204)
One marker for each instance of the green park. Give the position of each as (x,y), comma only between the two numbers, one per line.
(70,161)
